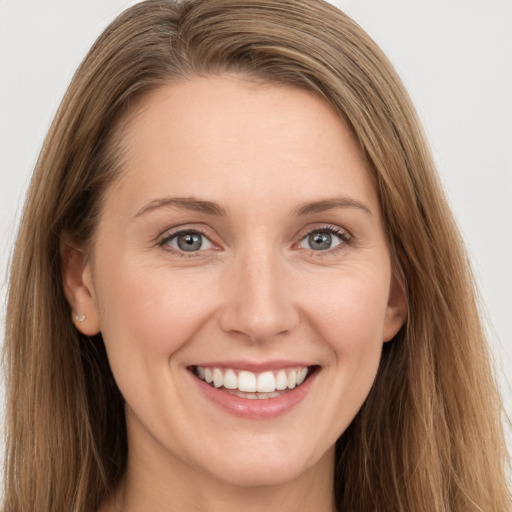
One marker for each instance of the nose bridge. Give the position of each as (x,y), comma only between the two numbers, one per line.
(259,303)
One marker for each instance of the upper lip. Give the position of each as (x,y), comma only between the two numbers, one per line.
(255,366)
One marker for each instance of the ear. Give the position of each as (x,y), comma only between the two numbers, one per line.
(78,287)
(396,310)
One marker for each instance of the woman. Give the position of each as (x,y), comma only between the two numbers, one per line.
(230,283)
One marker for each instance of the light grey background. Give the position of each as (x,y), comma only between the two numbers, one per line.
(455,58)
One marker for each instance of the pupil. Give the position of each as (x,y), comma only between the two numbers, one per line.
(319,241)
(190,242)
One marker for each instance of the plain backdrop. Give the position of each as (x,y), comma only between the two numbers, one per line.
(454,56)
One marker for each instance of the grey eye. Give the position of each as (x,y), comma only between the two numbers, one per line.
(320,240)
(189,242)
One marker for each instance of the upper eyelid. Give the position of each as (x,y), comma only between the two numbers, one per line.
(178,230)
(167,236)
(347,240)
(301,234)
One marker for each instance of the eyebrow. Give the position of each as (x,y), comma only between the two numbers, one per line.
(184,203)
(330,204)
(211,208)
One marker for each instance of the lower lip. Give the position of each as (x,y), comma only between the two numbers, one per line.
(256,409)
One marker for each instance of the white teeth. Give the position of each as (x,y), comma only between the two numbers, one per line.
(301,375)
(252,396)
(266,383)
(292,379)
(250,385)
(247,382)
(218,379)
(230,380)
(282,380)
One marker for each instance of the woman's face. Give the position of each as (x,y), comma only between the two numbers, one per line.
(244,243)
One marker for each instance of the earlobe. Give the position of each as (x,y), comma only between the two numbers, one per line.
(78,287)
(396,311)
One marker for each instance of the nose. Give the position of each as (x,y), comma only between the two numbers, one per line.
(258,297)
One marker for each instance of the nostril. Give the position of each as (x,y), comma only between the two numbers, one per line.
(258,302)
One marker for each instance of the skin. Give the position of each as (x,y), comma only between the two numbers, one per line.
(257,292)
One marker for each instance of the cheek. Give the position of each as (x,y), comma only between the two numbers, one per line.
(351,308)
(350,320)
(147,315)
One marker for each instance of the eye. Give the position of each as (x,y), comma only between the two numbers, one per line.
(187,241)
(323,239)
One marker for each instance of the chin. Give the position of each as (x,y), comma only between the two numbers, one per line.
(261,468)
(250,474)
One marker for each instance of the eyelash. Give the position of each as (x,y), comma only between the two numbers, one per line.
(343,235)
(345,239)
(184,254)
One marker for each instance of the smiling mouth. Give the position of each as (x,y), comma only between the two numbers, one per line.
(250,385)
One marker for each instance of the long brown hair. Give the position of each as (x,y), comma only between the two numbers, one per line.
(428,437)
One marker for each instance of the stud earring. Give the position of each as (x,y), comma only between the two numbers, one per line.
(79,318)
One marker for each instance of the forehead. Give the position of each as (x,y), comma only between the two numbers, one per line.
(249,138)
